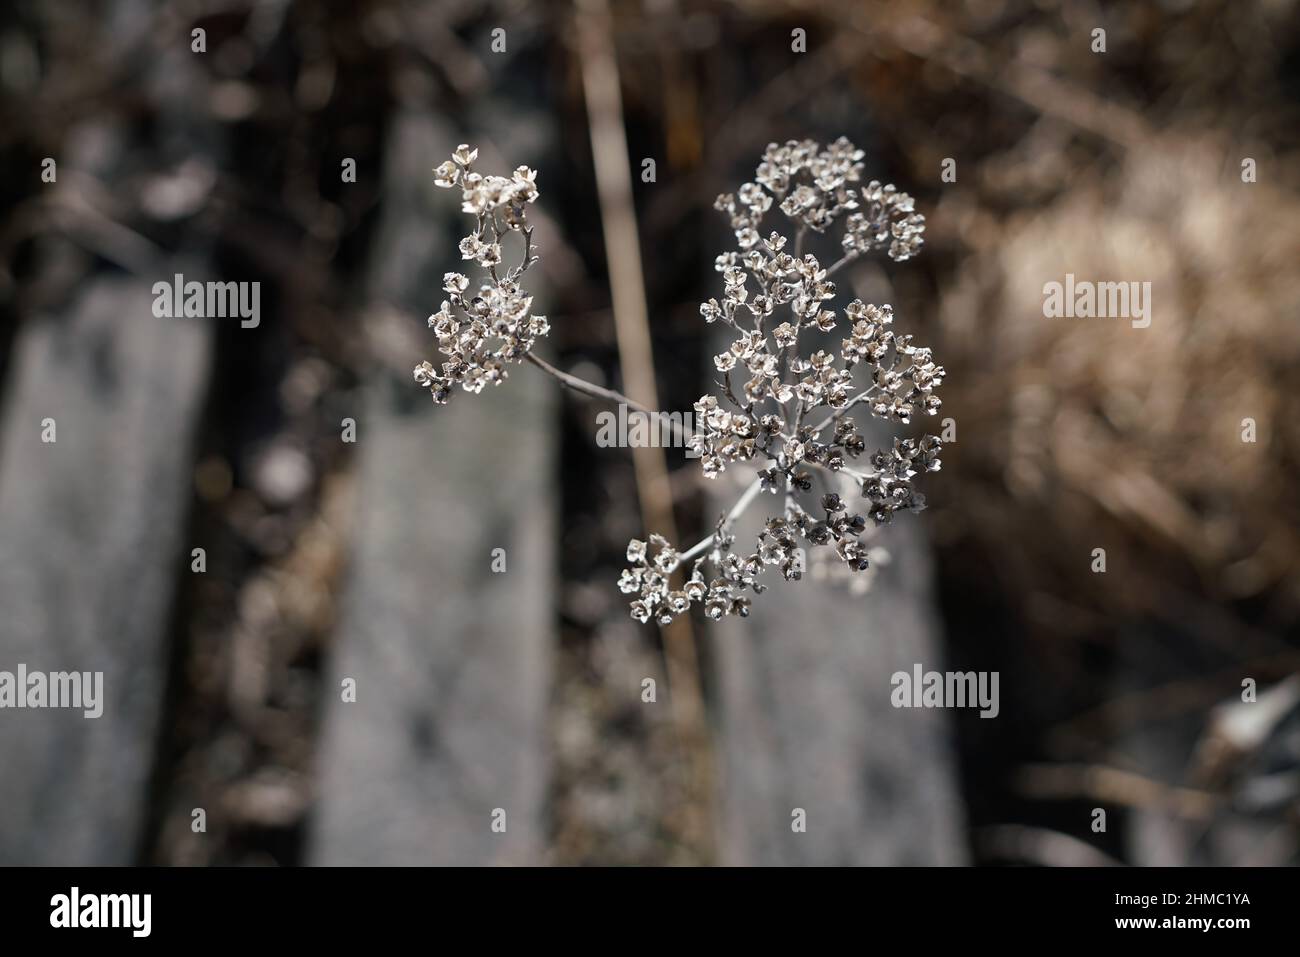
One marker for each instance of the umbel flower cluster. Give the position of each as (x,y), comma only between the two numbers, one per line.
(786,412)
(482,331)
(770,389)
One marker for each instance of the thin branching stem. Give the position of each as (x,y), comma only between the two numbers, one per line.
(841,263)
(609,395)
(737,510)
(839,414)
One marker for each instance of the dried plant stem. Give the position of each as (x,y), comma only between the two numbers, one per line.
(840,263)
(610,395)
(839,413)
(622,248)
(737,510)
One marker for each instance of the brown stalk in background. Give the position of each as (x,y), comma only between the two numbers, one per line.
(627,285)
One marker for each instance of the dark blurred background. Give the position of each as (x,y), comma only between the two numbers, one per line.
(328,560)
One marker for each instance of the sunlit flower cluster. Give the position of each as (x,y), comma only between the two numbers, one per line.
(481,331)
(785,411)
(814,187)
(773,293)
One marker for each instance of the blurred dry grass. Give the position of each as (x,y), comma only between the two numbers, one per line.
(1133,438)
(1088,433)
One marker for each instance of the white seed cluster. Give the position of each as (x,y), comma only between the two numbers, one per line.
(481,332)
(814,187)
(773,293)
(768,387)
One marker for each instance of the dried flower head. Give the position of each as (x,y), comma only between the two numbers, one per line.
(772,293)
(481,332)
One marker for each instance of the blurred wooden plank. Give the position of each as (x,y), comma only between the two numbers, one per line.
(91,544)
(806,720)
(452,661)
(1179,689)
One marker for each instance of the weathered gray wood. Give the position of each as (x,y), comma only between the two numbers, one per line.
(1233,754)
(91,546)
(806,721)
(451,660)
